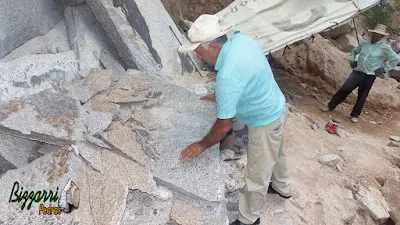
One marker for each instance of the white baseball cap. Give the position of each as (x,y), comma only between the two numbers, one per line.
(205,28)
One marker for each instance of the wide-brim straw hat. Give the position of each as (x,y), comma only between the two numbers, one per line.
(379,29)
(204,29)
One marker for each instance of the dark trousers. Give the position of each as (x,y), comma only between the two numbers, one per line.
(356,79)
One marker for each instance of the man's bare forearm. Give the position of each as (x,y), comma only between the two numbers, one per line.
(217,133)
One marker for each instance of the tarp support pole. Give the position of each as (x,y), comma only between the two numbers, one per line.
(355,27)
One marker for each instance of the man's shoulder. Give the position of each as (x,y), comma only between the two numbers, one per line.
(244,39)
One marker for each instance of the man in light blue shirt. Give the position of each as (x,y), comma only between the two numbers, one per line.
(372,54)
(246,89)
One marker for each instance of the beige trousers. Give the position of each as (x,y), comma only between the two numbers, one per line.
(265,161)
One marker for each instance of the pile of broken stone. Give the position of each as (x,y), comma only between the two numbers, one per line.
(86,101)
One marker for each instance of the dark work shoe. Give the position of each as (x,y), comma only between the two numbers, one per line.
(271,190)
(237,222)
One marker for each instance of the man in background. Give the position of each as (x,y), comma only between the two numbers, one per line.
(372,54)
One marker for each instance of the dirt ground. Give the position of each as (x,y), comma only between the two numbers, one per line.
(322,194)
(374,121)
(191,9)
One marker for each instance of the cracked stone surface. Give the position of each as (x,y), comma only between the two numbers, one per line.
(98,80)
(118,175)
(55,41)
(17,151)
(98,122)
(188,211)
(39,16)
(100,103)
(144,209)
(139,29)
(373,200)
(97,142)
(33,102)
(200,178)
(35,73)
(124,139)
(110,62)
(47,116)
(86,36)
(50,172)
(103,191)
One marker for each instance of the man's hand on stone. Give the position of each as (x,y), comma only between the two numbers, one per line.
(191,151)
(210,97)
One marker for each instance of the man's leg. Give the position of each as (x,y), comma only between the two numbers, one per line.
(349,85)
(363,91)
(280,176)
(263,150)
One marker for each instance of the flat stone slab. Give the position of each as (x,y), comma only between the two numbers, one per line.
(103,190)
(128,43)
(374,202)
(17,151)
(55,41)
(26,19)
(180,119)
(98,122)
(86,36)
(140,30)
(35,73)
(98,80)
(47,116)
(50,173)
(124,139)
(188,211)
(33,103)
(143,208)
(110,62)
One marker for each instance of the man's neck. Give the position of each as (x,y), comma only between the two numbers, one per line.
(374,41)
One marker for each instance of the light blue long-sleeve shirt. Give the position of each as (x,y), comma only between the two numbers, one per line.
(372,56)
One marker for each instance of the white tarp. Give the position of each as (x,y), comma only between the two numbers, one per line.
(277,23)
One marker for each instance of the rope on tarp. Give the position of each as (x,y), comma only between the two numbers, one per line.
(312,37)
(284,50)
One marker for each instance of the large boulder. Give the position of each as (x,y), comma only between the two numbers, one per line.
(55,41)
(16,152)
(87,38)
(144,35)
(26,19)
(336,32)
(318,59)
(374,202)
(33,103)
(390,191)
(346,42)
